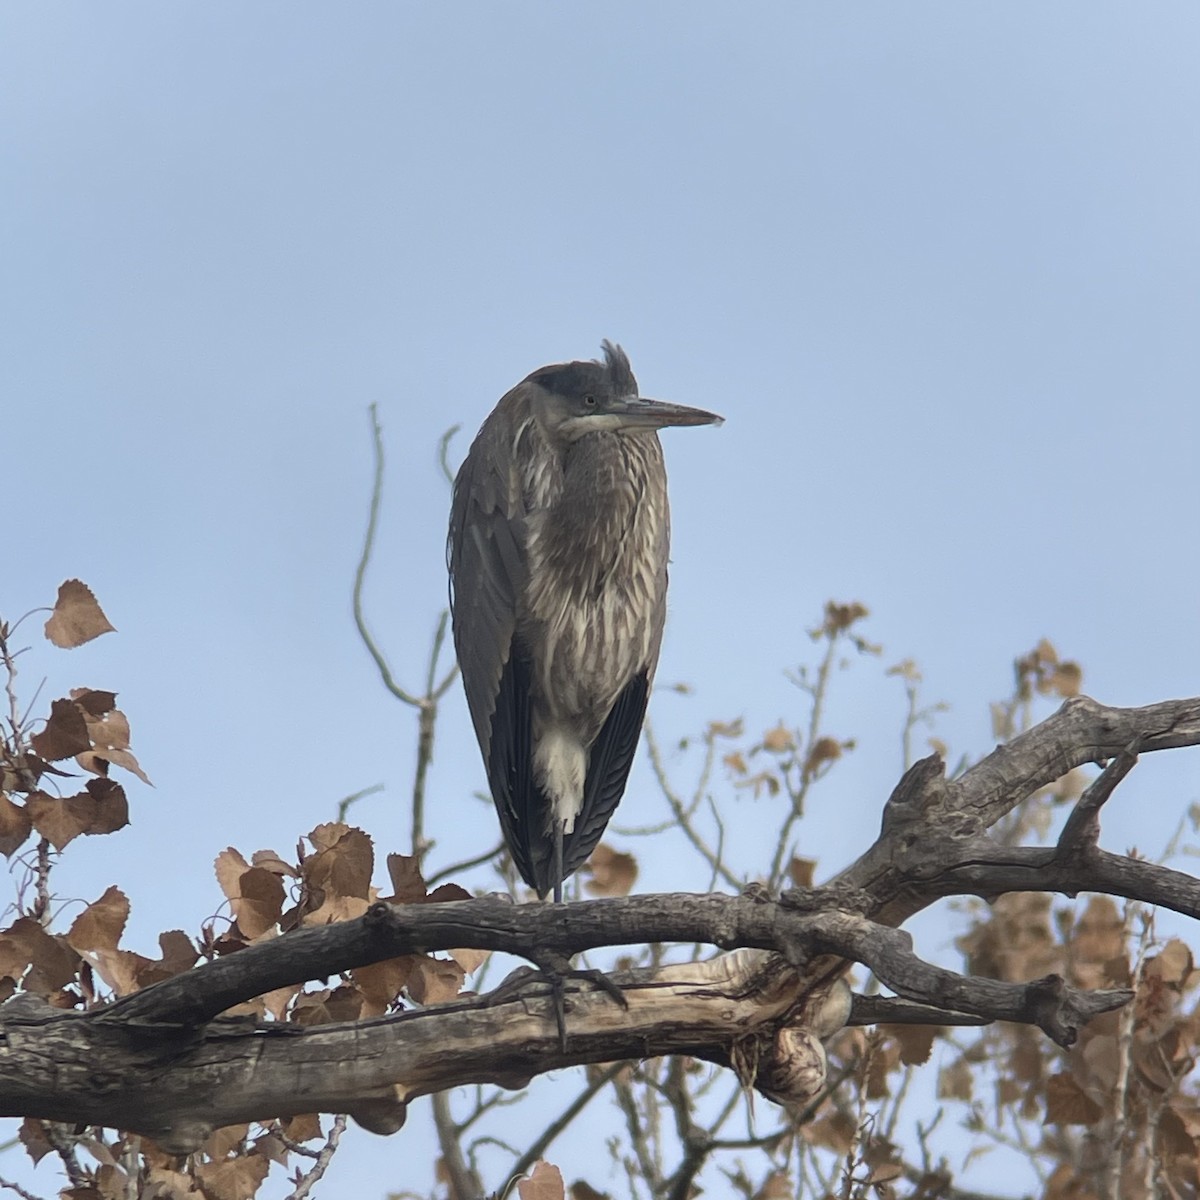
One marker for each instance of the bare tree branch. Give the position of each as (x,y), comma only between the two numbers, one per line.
(161,1062)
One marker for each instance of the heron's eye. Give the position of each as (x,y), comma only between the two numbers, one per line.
(590,401)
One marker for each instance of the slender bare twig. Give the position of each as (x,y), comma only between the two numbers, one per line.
(639,1142)
(427,709)
(444,452)
(541,1144)
(798,794)
(345,804)
(41,875)
(360,573)
(681,814)
(8,1185)
(313,1176)
(464,1181)
(64,1143)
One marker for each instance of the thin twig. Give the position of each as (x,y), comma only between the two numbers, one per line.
(799,794)
(444,451)
(16,1187)
(360,573)
(464,1181)
(346,802)
(681,816)
(538,1148)
(313,1175)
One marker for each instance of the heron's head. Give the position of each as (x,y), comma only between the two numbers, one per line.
(577,398)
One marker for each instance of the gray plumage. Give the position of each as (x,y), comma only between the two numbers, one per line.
(559,536)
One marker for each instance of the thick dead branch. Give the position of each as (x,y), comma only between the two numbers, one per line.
(164,1063)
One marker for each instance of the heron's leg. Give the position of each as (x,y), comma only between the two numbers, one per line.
(557,862)
(556,969)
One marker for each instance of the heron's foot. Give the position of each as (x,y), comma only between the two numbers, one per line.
(557,970)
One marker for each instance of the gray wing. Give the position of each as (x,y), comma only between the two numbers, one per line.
(486,556)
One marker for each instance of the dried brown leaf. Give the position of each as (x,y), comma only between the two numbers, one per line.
(94,702)
(408,885)
(164,1183)
(1066,680)
(65,733)
(100,925)
(221,1143)
(327,834)
(77,617)
(544,1183)
(736,763)
(96,761)
(435,980)
(834,1131)
(54,819)
(120,969)
(764,781)
(277,1000)
(778,740)
(725,729)
(1098,1064)
(53,963)
(612,873)
(1068,1104)
(915,1042)
(270,861)
(32,1134)
(470,960)
(776,1186)
(824,750)
(582,1190)
(109,731)
(956,1082)
(303,1128)
(336,908)
(1173,964)
(271,1148)
(343,866)
(102,807)
(840,617)
(259,902)
(801,871)
(230,866)
(447,893)
(234,1179)
(321,1008)
(15,826)
(380,982)
(178,955)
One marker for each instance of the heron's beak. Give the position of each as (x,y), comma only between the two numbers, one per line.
(636,412)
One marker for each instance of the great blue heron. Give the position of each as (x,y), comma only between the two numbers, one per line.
(557,551)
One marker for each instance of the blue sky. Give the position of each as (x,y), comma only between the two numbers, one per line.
(937,264)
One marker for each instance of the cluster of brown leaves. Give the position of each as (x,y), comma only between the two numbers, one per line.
(231,1165)
(86,727)
(840,618)
(786,768)
(1041,672)
(63,968)
(331,881)
(86,965)
(545,1182)
(1125,1085)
